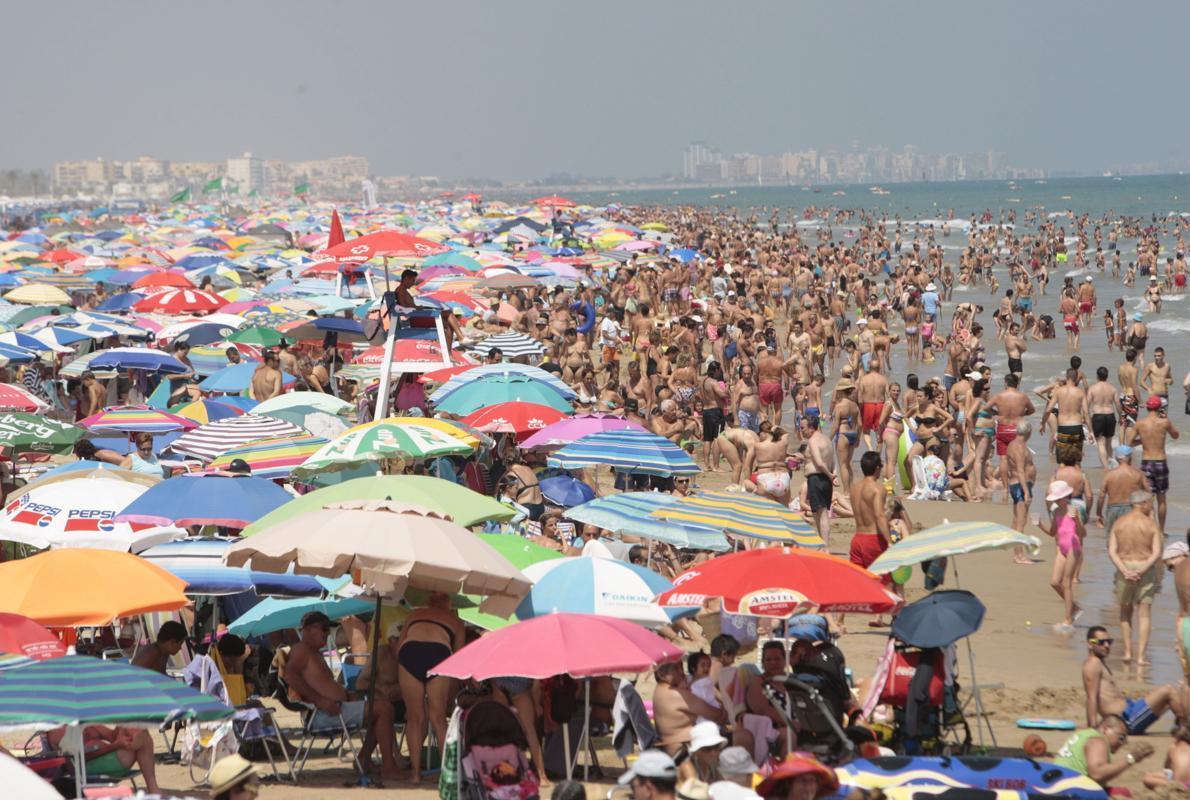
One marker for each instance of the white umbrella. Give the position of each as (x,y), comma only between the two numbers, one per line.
(20,781)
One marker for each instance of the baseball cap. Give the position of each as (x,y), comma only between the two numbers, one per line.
(651,764)
(1122,451)
(1153,403)
(705,734)
(736,761)
(1175,550)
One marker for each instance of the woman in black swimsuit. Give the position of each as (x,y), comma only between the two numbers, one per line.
(428,638)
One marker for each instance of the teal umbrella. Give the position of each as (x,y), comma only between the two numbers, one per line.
(276,614)
(495,389)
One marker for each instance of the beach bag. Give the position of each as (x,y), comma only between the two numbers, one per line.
(448,776)
(900,675)
(205,743)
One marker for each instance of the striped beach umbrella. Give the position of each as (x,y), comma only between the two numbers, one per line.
(199,562)
(511,344)
(137,419)
(375,441)
(950,539)
(632,513)
(589,585)
(206,410)
(209,359)
(635,452)
(742,514)
(180,301)
(208,441)
(272,458)
(75,690)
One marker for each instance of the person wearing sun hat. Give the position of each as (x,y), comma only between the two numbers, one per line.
(234,778)
(798,777)
(1066,527)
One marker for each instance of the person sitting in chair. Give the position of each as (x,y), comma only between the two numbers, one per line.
(155,656)
(113,751)
(773,663)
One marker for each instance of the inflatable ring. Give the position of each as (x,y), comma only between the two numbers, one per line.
(588,312)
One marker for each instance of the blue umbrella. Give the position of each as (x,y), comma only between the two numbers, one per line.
(199,562)
(22,339)
(205,500)
(274,614)
(16,355)
(120,302)
(939,619)
(634,452)
(236,378)
(61,335)
(205,333)
(456,382)
(592,585)
(565,491)
(199,260)
(492,389)
(631,513)
(245,404)
(139,358)
(682,254)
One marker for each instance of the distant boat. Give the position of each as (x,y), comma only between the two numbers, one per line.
(732,191)
(717,196)
(1041,182)
(878,190)
(838,193)
(1064,197)
(1013,200)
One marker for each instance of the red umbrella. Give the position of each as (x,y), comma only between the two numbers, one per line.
(444,374)
(325,269)
(513,417)
(180,301)
(403,350)
(579,645)
(171,279)
(61,255)
(17,398)
(554,201)
(336,236)
(23,636)
(780,582)
(383,243)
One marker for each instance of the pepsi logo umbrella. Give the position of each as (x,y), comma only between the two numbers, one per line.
(78,513)
(180,301)
(633,452)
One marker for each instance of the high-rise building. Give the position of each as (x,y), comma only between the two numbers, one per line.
(247,172)
(698,154)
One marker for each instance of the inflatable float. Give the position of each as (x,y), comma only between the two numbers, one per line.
(906,444)
(985,774)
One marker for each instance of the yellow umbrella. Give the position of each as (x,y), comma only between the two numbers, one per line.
(36,294)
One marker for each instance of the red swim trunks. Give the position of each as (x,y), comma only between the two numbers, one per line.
(870,415)
(866,548)
(1004,436)
(1179,279)
(770,393)
(1086,306)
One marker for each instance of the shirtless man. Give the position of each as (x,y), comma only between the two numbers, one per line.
(1020,474)
(1134,546)
(1068,308)
(820,473)
(867,503)
(713,396)
(1104,697)
(1177,558)
(1115,493)
(1158,376)
(1104,407)
(170,641)
(94,396)
(1069,401)
(1086,300)
(288,360)
(865,343)
(871,390)
(770,370)
(1127,375)
(1010,406)
(676,709)
(308,674)
(1151,432)
(1015,347)
(266,381)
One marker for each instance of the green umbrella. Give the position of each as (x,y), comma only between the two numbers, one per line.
(465,506)
(493,389)
(33,312)
(317,401)
(381,440)
(258,335)
(520,552)
(34,433)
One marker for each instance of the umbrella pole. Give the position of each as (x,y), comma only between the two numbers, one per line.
(975,693)
(566,749)
(373,667)
(583,741)
(390,343)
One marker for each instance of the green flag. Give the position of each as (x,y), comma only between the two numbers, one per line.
(213,185)
(254,193)
(181,197)
(302,188)
(233,189)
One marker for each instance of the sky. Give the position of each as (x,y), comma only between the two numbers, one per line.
(526,89)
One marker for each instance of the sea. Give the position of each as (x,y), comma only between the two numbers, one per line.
(1159,200)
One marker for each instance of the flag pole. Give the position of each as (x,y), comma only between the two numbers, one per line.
(390,342)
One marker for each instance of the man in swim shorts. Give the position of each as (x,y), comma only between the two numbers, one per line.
(871,391)
(1104,697)
(1134,546)
(867,503)
(1152,431)
(769,370)
(1115,494)
(820,473)
(1177,560)
(1010,406)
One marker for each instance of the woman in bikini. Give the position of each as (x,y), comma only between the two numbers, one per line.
(982,423)
(891,425)
(772,473)
(430,635)
(912,317)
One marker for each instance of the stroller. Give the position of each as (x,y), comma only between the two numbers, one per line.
(493,755)
(931,724)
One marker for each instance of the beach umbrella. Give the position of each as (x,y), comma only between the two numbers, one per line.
(199,334)
(589,585)
(78,511)
(950,539)
(553,201)
(124,358)
(33,294)
(511,344)
(237,378)
(20,781)
(493,389)
(273,458)
(199,562)
(17,355)
(315,400)
(163,279)
(84,469)
(276,614)
(415,350)
(519,551)
(18,398)
(379,440)
(136,419)
(579,645)
(120,302)
(318,423)
(22,432)
(383,244)
(939,619)
(205,411)
(465,507)
(632,513)
(209,359)
(565,491)
(634,452)
(59,336)
(260,336)
(390,546)
(514,417)
(24,637)
(30,342)
(742,514)
(781,582)
(464,375)
(80,586)
(205,500)
(208,441)
(573,428)
(180,301)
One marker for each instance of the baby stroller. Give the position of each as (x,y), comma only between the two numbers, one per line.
(926,716)
(493,755)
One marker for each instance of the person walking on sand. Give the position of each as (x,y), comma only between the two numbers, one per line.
(1134,546)
(1116,490)
(1067,530)
(1021,473)
(1151,432)
(1104,408)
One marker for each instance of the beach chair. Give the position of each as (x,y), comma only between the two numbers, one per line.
(336,734)
(57,767)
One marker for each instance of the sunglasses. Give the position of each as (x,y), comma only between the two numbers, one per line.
(1101,641)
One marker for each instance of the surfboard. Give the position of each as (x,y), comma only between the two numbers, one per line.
(1043,724)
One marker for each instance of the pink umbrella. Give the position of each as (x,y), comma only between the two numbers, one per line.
(574,428)
(579,645)
(636,244)
(437,270)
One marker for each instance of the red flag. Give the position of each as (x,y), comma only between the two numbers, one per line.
(336,236)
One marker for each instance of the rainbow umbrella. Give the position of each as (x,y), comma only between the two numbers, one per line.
(205,411)
(136,419)
(271,458)
(635,452)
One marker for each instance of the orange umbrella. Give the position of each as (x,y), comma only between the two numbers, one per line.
(79,586)
(172,279)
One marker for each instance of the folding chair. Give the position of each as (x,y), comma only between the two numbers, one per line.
(337,734)
(253,722)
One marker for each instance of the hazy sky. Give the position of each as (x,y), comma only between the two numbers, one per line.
(523,89)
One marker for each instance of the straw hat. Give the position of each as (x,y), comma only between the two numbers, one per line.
(844,385)
(229,772)
(792,767)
